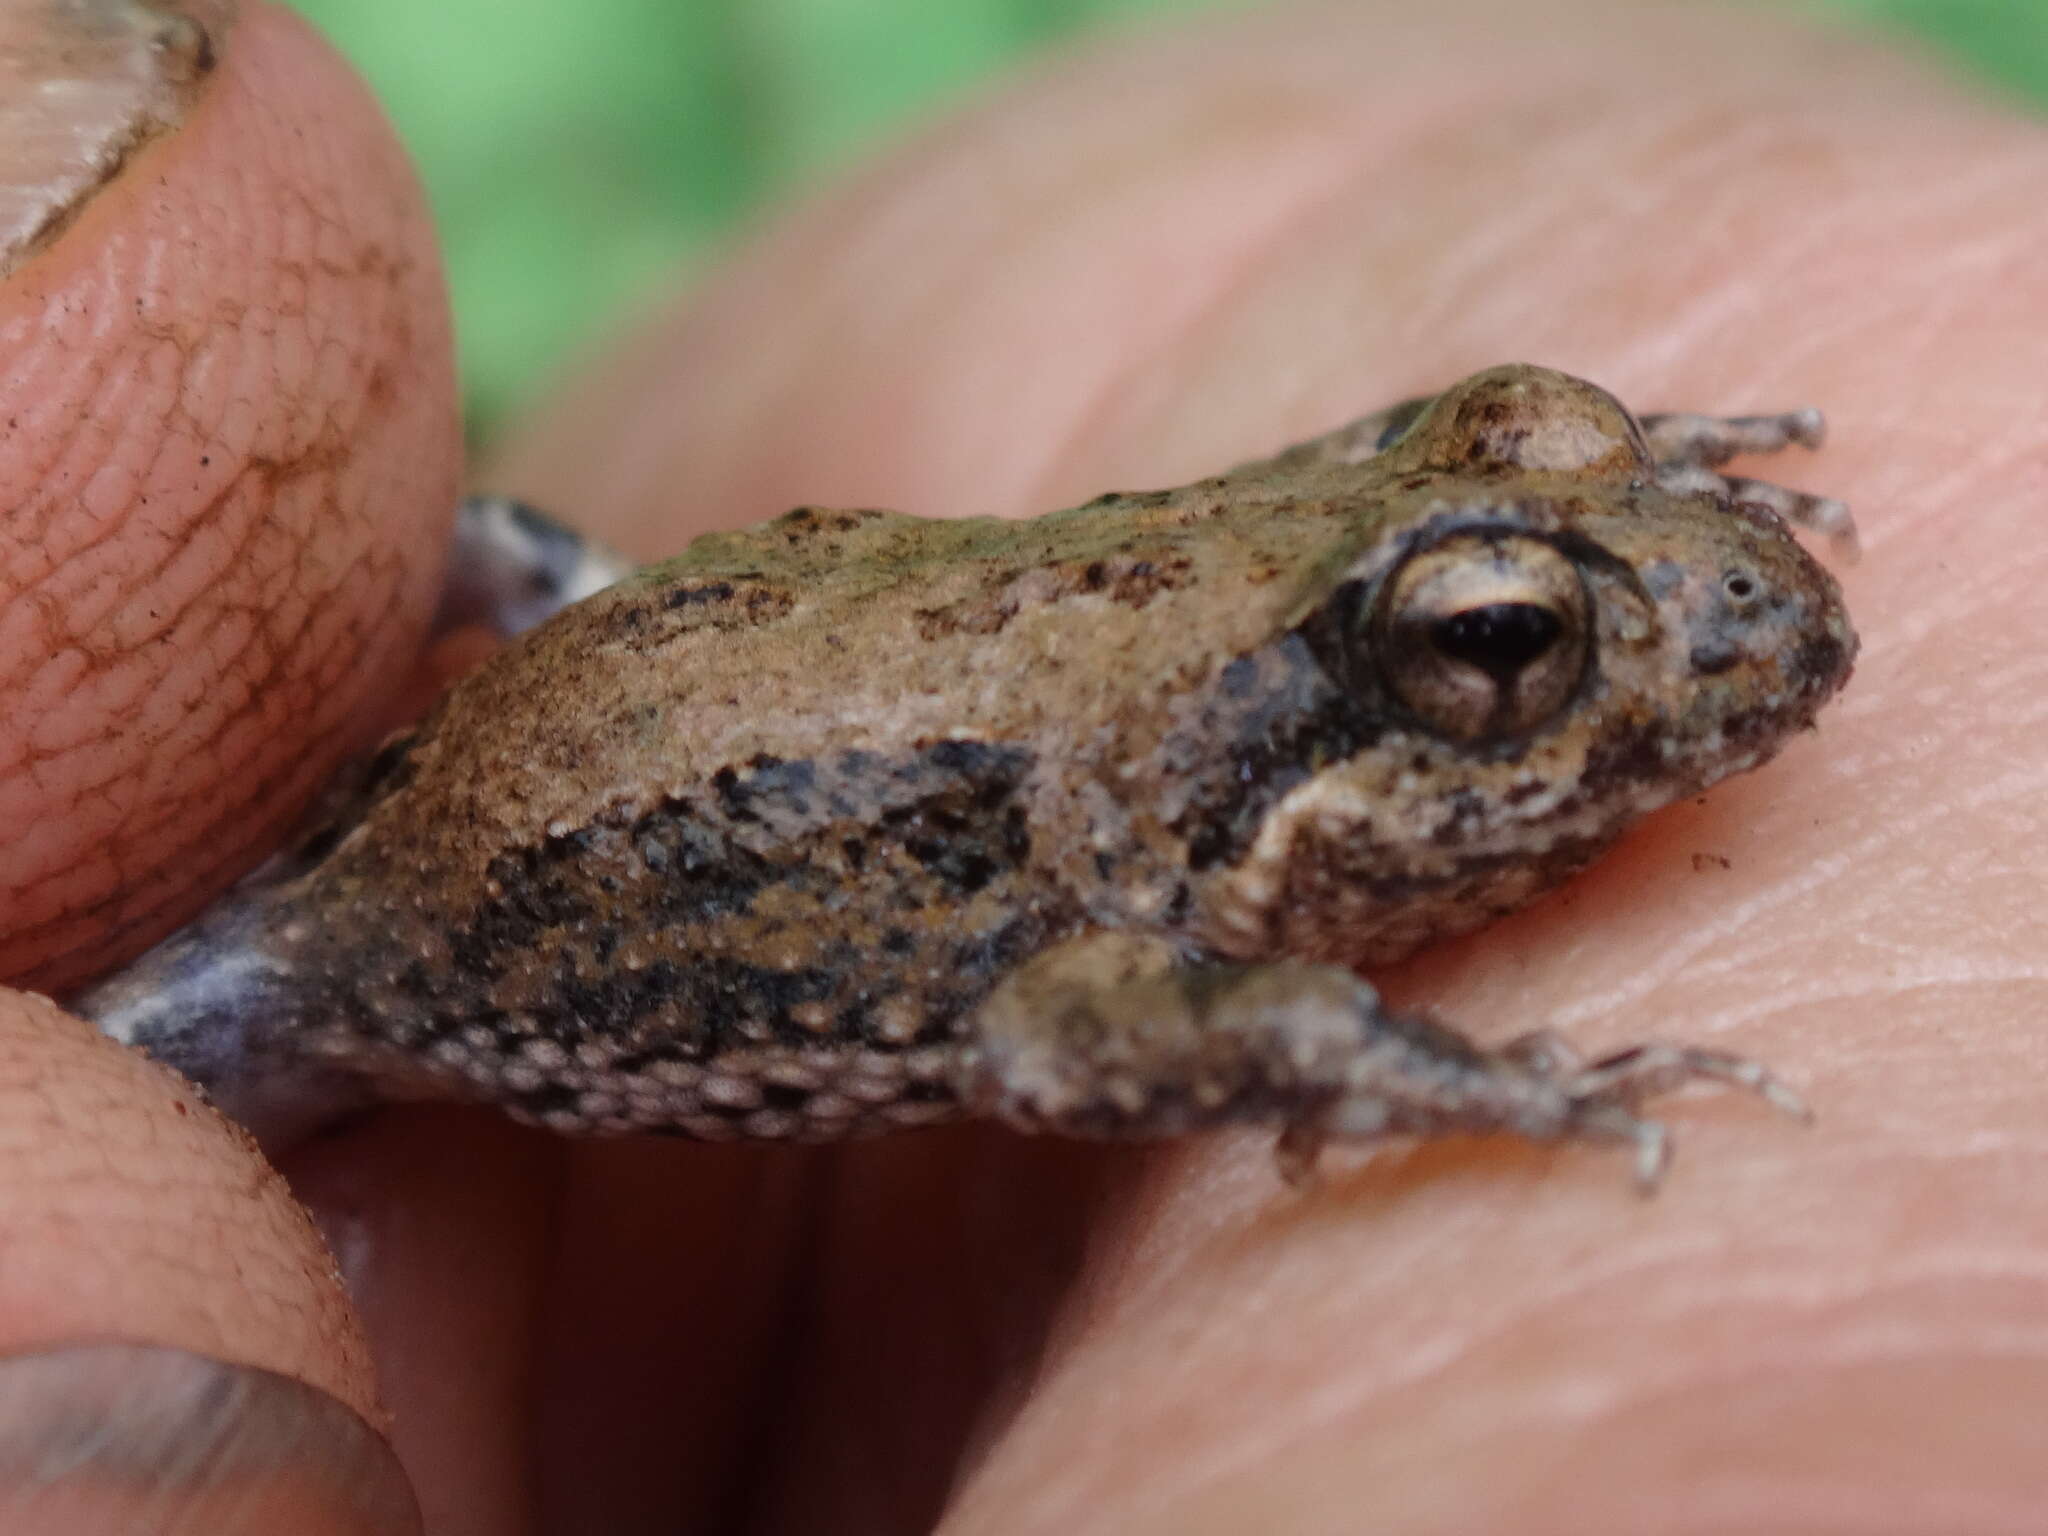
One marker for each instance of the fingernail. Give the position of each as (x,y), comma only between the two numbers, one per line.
(84,84)
(126,1438)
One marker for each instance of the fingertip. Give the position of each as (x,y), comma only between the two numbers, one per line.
(121,1438)
(132,1212)
(232,449)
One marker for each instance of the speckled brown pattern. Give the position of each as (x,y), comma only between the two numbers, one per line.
(1085,820)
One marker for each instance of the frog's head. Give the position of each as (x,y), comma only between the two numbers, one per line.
(1553,635)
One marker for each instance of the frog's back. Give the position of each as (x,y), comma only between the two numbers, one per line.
(735,846)
(825,632)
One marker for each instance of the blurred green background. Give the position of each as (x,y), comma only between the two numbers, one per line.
(577,154)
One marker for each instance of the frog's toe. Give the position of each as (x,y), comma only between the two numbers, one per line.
(1642,1072)
(1678,437)
(1605,1120)
(1544,1052)
(1823,515)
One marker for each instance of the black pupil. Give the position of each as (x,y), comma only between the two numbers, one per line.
(1500,639)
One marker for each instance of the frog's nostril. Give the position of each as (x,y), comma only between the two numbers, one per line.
(1740,586)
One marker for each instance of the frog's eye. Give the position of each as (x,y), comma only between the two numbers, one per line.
(1482,635)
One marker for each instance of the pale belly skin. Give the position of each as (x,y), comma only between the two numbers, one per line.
(1088,822)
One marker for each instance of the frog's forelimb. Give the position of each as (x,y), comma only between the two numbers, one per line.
(1688,450)
(1112,1036)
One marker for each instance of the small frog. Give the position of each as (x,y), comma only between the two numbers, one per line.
(856,820)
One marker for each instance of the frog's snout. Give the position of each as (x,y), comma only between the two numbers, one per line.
(1771,631)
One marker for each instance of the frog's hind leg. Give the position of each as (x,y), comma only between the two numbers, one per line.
(1112,1036)
(1676,438)
(511,566)
(1689,450)
(1353,443)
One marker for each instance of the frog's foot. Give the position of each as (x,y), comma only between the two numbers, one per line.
(1598,1100)
(511,566)
(1689,450)
(1353,443)
(1109,1036)
(1535,1086)
(1676,437)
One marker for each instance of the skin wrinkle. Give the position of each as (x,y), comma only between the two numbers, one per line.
(1717,306)
(1270,1274)
(1745,1358)
(1732,1500)
(42,540)
(1583,1403)
(177,814)
(1523,1483)
(2008,459)
(1789,1003)
(1690,954)
(1657,973)
(1958,597)
(344,441)
(1597,1409)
